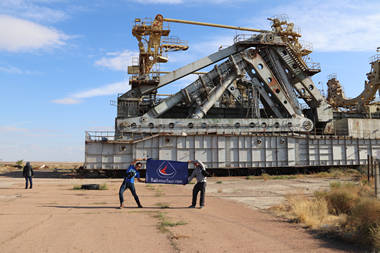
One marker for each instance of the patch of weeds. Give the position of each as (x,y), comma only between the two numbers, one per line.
(323,174)
(335,184)
(177,237)
(337,173)
(219,182)
(285,177)
(164,222)
(150,187)
(220,190)
(162,205)
(103,187)
(77,187)
(352,171)
(192,182)
(348,211)
(265,176)
(249,177)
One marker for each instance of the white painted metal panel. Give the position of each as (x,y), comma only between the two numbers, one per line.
(234,151)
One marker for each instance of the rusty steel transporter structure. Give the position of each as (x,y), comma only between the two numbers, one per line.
(257,107)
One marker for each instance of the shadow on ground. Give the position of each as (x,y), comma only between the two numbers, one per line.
(331,241)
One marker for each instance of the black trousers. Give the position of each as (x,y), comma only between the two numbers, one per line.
(199,187)
(130,186)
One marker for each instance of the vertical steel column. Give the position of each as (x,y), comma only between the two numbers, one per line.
(368,167)
(377,178)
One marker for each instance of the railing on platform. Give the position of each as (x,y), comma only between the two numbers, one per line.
(363,134)
(100,135)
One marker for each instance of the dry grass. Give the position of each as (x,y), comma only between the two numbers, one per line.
(338,173)
(163,205)
(265,176)
(77,187)
(348,209)
(331,173)
(103,187)
(341,199)
(164,222)
(312,212)
(365,221)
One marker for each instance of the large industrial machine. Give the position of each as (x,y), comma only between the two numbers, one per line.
(363,103)
(257,107)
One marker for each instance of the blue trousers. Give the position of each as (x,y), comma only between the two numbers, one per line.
(131,186)
(26,182)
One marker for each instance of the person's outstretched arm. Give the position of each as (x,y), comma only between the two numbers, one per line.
(202,165)
(137,160)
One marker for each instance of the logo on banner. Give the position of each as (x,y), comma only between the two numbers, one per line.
(166,170)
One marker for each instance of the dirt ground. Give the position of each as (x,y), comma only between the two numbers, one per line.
(52,217)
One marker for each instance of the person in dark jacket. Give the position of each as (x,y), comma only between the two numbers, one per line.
(200,174)
(129,182)
(28,173)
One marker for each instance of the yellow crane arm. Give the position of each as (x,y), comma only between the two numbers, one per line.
(213,25)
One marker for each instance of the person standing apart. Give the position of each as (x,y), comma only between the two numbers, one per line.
(200,174)
(28,173)
(129,182)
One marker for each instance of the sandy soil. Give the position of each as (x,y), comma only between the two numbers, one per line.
(52,217)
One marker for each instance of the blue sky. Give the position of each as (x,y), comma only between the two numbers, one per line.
(62,61)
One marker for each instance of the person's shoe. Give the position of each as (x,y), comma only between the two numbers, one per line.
(140,206)
(201,207)
(121,206)
(191,206)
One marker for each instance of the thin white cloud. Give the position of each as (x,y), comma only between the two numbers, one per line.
(341,25)
(212,45)
(109,89)
(159,1)
(118,61)
(67,101)
(13,129)
(14,70)
(27,36)
(186,1)
(31,9)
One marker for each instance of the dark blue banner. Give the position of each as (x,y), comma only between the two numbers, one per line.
(166,172)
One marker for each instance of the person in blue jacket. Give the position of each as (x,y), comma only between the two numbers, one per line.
(129,182)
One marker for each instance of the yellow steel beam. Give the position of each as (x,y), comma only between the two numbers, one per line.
(213,25)
(167,72)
